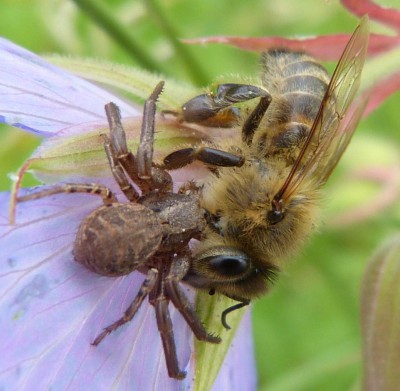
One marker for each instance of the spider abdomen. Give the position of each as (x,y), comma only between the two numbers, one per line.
(114,240)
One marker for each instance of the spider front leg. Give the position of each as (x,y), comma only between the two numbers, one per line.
(116,147)
(145,150)
(118,172)
(140,168)
(156,177)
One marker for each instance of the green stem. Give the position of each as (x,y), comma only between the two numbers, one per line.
(101,15)
(196,72)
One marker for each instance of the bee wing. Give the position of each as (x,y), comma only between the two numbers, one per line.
(335,123)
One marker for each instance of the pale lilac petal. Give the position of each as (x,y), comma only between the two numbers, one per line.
(238,372)
(41,98)
(52,308)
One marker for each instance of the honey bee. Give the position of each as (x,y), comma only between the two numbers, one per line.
(262,196)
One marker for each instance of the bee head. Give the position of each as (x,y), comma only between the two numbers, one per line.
(230,271)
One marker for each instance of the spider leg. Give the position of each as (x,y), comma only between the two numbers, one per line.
(89,188)
(120,150)
(155,177)
(178,270)
(119,174)
(144,154)
(146,287)
(121,159)
(165,328)
(141,169)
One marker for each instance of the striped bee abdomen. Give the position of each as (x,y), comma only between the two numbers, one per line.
(297,84)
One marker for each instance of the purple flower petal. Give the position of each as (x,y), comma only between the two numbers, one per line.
(41,98)
(238,372)
(52,309)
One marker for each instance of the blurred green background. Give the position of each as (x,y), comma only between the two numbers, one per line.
(307,333)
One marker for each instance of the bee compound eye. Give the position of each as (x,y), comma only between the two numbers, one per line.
(229,265)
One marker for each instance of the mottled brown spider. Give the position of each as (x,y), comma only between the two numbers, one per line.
(151,233)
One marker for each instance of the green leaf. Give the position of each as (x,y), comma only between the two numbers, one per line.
(101,14)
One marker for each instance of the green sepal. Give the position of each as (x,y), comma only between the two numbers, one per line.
(380,319)
(65,158)
(137,84)
(210,357)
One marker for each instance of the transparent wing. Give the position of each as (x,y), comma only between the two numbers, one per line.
(336,120)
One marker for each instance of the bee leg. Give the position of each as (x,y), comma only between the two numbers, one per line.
(104,192)
(243,303)
(164,324)
(179,269)
(211,156)
(145,289)
(253,121)
(215,109)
